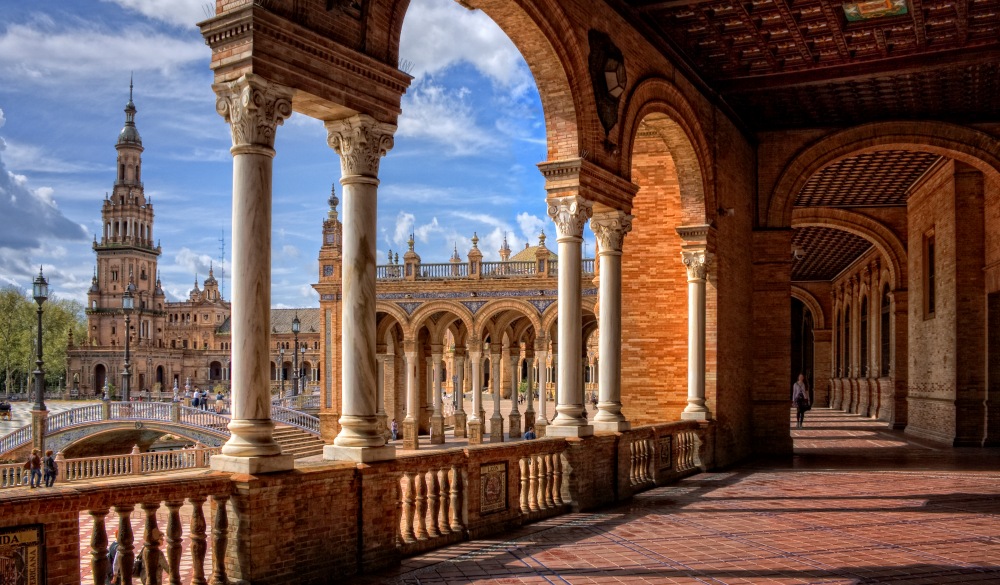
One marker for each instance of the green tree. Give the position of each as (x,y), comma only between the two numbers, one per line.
(16,328)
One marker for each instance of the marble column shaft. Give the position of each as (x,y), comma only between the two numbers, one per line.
(476,358)
(254,109)
(361,141)
(570,214)
(696,262)
(610,229)
(543,381)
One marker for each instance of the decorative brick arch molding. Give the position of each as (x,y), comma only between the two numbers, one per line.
(558,63)
(811,303)
(661,105)
(422,315)
(885,241)
(521,308)
(971,146)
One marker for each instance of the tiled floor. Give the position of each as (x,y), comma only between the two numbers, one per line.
(858,504)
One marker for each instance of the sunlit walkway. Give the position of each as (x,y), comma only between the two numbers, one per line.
(857,504)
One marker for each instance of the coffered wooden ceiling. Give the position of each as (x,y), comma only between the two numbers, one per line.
(825,252)
(876,178)
(800,63)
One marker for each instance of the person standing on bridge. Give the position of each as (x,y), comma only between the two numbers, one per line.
(34,467)
(49,463)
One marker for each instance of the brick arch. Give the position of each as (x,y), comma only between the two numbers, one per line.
(392,310)
(885,241)
(551,315)
(424,312)
(523,308)
(811,303)
(558,63)
(661,104)
(970,146)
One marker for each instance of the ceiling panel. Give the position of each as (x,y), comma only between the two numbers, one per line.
(826,252)
(876,178)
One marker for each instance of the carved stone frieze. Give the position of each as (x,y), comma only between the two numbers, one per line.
(610,228)
(253,108)
(570,214)
(696,262)
(361,141)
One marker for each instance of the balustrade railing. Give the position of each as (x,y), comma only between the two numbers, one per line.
(389,272)
(508,269)
(444,270)
(205,419)
(432,498)
(75,416)
(587,265)
(13,475)
(541,482)
(141,410)
(641,459)
(306,422)
(18,438)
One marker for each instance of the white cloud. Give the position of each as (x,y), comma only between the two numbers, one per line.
(424,232)
(438,34)
(289,251)
(41,53)
(192,262)
(31,158)
(530,225)
(444,116)
(176,12)
(401,233)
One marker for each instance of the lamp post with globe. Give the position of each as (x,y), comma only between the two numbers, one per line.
(295,356)
(40,290)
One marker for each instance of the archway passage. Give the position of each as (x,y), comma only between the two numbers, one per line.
(100,377)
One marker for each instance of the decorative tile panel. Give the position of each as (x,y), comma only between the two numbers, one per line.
(492,487)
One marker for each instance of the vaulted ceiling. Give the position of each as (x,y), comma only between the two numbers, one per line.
(798,63)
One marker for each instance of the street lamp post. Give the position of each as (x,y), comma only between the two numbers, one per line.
(40,290)
(128,303)
(281,371)
(302,374)
(295,356)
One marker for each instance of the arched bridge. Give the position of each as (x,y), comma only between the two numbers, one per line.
(81,431)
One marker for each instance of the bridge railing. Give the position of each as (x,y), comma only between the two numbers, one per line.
(18,438)
(205,419)
(306,422)
(141,410)
(75,416)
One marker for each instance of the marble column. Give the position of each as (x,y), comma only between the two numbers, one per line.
(496,421)
(361,141)
(254,108)
(380,414)
(514,420)
(542,421)
(460,417)
(437,418)
(610,228)
(476,421)
(570,214)
(529,400)
(696,262)
(411,424)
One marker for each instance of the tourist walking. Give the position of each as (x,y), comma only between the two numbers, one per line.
(113,560)
(160,560)
(394,429)
(800,397)
(50,468)
(34,467)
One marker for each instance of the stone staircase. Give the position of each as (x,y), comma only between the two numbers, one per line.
(296,442)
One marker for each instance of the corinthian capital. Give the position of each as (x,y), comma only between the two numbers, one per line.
(361,141)
(253,108)
(570,214)
(610,228)
(696,262)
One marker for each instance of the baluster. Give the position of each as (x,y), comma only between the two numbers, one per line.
(419,507)
(444,527)
(631,467)
(406,515)
(174,541)
(650,467)
(549,472)
(432,504)
(99,547)
(643,458)
(523,496)
(220,528)
(541,482)
(198,543)
(150,558)
(125,557)
(455,508)
(532,483)
(557,479)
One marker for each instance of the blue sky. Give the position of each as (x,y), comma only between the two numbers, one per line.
(464,159)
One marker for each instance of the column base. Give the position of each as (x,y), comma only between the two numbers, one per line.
(496,429)
(568,431)
(253,465)
(410,431)
(695,416)
(437,430)
(476,432)
(358,454)
(529,420)
(514,426)
(460,421)
(541,426)
(382,426)
(614,426)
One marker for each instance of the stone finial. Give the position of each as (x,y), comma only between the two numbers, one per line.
(475,241)
(395,258)
(390,257)
(504,249)
(410,242)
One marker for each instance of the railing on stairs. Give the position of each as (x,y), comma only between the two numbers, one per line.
(306,422)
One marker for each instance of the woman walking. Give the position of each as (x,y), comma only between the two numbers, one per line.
(800,397)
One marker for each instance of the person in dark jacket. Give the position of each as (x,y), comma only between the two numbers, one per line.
(49,465)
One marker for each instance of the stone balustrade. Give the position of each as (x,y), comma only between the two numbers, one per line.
(304,421)
(457,270)
(107,466)
(350,517)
